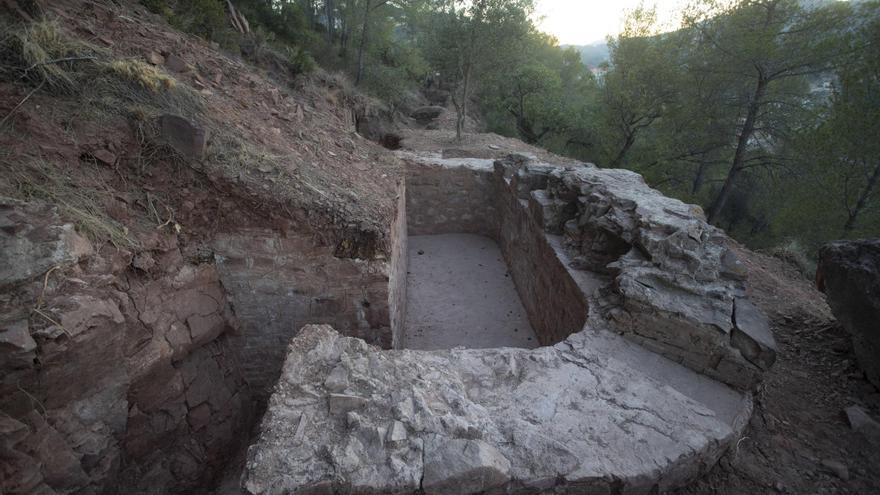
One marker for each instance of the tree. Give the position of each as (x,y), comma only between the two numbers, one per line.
(473,39)
(841,156)
(369,7)
(771,45)
(638,86)
(543,97)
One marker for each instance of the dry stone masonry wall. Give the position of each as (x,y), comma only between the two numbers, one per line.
(279,279)
(279,283)
(614,276)
(676,288)
(447,196)
(571,418)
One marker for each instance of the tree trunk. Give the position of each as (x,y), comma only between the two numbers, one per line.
(310,14)
(630,140)
(461,107)
(365,30)
(344,36)
(862,201)
(699,177)
(741,147)
(331,22)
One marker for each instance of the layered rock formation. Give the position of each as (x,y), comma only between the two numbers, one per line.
(849,274)
(676,289)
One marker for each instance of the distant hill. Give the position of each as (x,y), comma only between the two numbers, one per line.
(593,54)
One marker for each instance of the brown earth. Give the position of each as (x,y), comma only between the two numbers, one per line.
(277,142)
(799,432)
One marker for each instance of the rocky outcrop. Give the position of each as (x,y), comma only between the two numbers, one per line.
(676,288)
(347,417)
(849,274)
(424,115)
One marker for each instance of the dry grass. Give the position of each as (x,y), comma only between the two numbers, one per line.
(147,76)
(39,180)
(43,55)
(235,156)
(40,53)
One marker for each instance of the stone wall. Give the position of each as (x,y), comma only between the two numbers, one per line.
(555,303)
(456,197)
(673,284)
(397,278)
(279,282)
(468,195)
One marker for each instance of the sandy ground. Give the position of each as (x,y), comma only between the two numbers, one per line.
(460,294)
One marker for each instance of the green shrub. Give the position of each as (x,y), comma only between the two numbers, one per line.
(299,60)
(204,18)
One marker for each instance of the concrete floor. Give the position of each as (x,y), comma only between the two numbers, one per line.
(460,294)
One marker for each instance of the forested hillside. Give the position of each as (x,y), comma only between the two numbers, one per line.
(764,112)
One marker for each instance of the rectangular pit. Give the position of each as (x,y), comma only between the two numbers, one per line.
(467,196)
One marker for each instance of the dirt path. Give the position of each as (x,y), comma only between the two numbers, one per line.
(798,440)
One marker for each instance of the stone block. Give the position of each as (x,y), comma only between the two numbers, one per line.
(752,335)
(185,137)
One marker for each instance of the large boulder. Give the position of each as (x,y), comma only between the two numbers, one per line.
(425,115)
(849,274)
(185,137)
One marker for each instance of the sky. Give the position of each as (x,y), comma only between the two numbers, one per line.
(581,22)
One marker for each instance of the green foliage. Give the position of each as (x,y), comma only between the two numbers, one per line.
(729,112)
(474,41)
(160,7)
(299,59)
(204,18)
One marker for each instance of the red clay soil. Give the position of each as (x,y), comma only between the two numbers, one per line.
(300,131)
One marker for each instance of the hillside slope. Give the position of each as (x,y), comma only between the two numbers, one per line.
(149,184)
(170,215)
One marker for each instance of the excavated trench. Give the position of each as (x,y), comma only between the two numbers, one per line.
(483,256)
(555,327)
(482,273)
(470,268)
(459,293)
